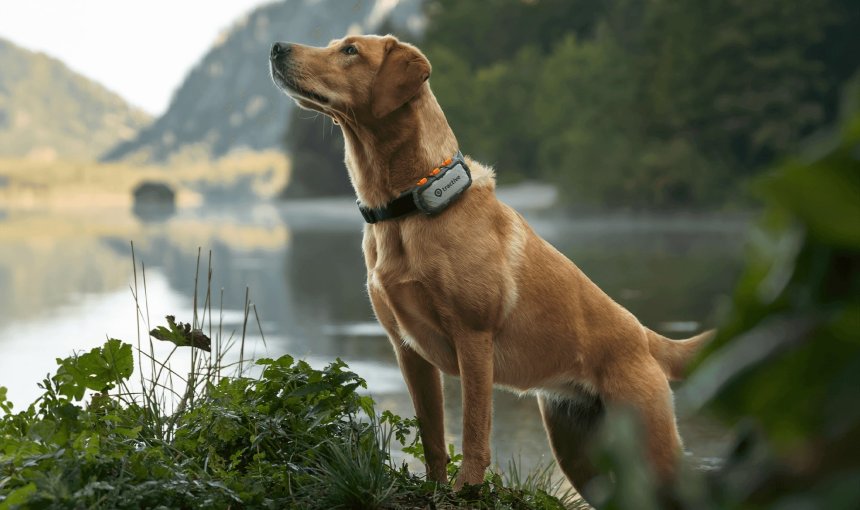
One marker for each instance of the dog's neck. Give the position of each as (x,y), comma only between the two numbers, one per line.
(385,157)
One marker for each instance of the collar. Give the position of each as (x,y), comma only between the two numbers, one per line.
(431,194)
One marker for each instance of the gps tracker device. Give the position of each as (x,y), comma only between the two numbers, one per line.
(444,187)
(431,195)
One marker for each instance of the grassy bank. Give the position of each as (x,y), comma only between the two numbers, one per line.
(33,183)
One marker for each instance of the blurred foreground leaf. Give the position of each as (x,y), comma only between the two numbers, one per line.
(786,364)
(784,370)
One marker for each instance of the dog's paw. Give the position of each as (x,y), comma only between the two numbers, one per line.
(437,474)
(469,476)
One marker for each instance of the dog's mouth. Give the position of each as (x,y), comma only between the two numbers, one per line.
(293,89)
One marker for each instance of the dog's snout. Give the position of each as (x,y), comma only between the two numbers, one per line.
(280,49)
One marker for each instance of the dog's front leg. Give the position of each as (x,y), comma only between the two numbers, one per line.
(475,358)
(425,388)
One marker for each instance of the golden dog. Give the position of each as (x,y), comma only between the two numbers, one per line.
(473,291)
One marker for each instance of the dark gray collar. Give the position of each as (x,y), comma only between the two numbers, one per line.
(431,195)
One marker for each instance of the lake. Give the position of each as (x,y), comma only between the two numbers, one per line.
(66,279)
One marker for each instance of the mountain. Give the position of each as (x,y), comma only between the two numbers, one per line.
(49,111)
(228,100)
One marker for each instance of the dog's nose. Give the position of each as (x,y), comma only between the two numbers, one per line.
(280,49)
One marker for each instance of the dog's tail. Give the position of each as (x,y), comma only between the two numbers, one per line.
(674,355)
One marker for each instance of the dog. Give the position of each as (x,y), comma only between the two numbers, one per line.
(468,288)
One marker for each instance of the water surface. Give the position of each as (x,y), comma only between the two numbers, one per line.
(66,280)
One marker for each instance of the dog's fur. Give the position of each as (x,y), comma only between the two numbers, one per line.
(474,291)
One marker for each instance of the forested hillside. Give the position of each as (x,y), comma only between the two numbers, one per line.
(639,103)
(48,111)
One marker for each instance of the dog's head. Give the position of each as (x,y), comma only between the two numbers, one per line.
(356,76)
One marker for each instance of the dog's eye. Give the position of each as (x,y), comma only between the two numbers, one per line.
(349,50)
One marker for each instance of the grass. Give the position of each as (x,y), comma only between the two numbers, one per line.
(355,474)
(118,427)
(541,479)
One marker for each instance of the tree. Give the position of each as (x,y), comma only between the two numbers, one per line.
(739,78)
(627,103)
(490,31)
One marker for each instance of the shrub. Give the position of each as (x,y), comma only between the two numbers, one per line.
(294,437)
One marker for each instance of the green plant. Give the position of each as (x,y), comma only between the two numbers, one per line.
(290,437)
(355,473)
(294,436)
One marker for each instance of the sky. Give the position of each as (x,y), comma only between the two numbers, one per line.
(141,50)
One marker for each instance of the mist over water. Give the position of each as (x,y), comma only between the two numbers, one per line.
(66,278)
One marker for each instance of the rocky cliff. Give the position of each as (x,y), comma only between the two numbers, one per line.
(228,101)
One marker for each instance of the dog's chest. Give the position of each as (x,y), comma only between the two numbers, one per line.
(434,275)
(416,288)
(418,302)
(423,320)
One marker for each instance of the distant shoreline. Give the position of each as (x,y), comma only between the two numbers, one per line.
(33,184)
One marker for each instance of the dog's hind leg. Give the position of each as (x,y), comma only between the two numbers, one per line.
(571,425)
(643,388)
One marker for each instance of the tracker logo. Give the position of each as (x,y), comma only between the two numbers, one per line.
(439,191)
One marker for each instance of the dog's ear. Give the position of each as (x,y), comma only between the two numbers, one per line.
(402,72)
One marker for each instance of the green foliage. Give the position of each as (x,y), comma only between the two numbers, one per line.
(514,141)
(602,154)
(790,351)
(799,300)
(355,474)
(5,405)
(101,370)
(294,437)
(485,33)
(738,74)
(785,367)
(541,481)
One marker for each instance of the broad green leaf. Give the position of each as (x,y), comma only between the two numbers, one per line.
(825,197)
(98,370)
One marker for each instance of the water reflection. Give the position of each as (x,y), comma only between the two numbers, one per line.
(65,278)
(154,201)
